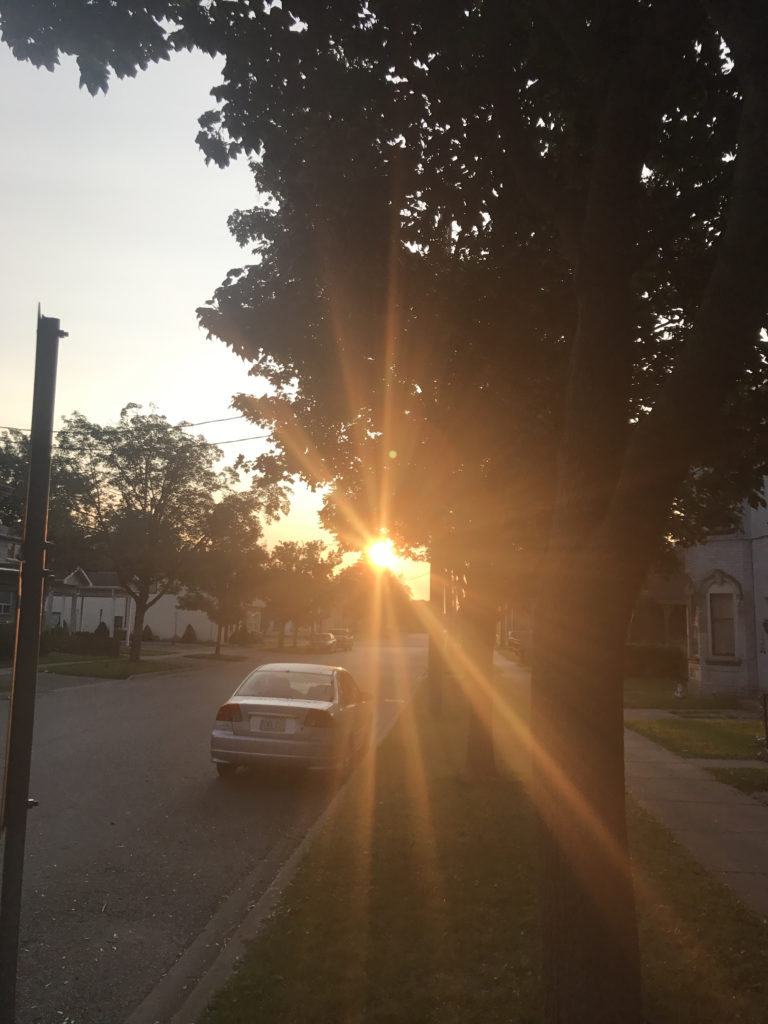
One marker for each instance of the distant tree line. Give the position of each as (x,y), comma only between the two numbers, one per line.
(144,498)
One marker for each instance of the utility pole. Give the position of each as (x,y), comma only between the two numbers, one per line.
(18,756)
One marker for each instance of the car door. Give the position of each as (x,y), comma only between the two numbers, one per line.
(354,709)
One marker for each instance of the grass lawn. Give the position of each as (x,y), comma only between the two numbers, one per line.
(106,668)
(644,692)
(54,658)
(702,737)
(417,903)
(218,657)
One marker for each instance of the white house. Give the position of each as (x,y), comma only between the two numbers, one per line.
(10,555)
(728,609)
(86,598)
(714,607)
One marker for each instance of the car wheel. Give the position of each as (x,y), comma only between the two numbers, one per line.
(225,770)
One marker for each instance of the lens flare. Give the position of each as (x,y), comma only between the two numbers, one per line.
(382,554)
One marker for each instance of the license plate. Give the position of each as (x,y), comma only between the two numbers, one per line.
(268,724)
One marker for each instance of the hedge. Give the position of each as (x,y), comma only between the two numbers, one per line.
(657,660)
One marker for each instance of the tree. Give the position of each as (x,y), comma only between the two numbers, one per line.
(614,154)
(69,541)
(297,587)
(149,502)
(597,145)
(376,600)
(226,572)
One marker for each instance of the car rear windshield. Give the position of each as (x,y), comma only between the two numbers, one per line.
(288,685)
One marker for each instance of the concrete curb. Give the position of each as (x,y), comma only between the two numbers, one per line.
(181,995)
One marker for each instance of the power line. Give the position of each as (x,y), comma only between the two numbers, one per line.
(237,440)
(227,419)
(202,423)
(208,444)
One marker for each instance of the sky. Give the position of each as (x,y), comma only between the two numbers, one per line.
(111,221)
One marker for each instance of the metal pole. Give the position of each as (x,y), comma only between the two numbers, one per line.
(18,755)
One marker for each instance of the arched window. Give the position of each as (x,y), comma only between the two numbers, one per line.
(722,618)
(722,604)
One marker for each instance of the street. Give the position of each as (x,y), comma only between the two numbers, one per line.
(136,841)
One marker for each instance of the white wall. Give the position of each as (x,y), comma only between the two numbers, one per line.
(742,557)
(164,618)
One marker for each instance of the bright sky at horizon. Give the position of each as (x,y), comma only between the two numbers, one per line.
(113,222)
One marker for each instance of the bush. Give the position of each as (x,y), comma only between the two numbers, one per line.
(7,640)
(94,643)
(55,639)
(656,660)
(189,636)
(99,642)
(147,634)
(246,637)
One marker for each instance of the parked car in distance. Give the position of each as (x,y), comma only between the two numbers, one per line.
(344,638)
(321,642)
(309,716)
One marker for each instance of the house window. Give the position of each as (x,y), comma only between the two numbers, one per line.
(722,620)
(6,603)
(118,622)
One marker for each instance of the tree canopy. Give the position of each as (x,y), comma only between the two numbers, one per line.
(536,233)
(298,583)
(69,538)
(226,572)
(148,500)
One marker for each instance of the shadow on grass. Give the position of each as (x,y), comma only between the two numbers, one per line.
(417,903)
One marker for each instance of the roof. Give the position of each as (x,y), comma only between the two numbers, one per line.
(104,579)
(96,578)
(298,666)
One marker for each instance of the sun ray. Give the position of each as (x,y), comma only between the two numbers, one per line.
(382,554)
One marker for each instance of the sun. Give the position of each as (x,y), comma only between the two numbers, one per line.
(382,554)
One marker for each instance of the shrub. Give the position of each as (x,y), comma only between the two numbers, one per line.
(56,638)
(94,643)
(99,642)
(655,660)
(189,636)
(246,637)
(7,640)
(147,634)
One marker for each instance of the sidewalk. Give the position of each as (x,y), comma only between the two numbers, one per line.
(724,829)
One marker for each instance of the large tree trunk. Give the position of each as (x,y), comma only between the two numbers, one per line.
(478,625)
(134,652)
(591,953)
(436,649)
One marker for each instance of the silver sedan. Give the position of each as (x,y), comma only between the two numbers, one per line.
(311,716)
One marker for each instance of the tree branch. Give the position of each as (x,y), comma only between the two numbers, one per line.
(734,305)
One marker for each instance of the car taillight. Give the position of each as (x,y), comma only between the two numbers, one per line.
(229,713)
(318,719)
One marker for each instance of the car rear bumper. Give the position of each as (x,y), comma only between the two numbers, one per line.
(304,753)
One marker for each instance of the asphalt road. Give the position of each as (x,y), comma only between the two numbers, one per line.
(136,841)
